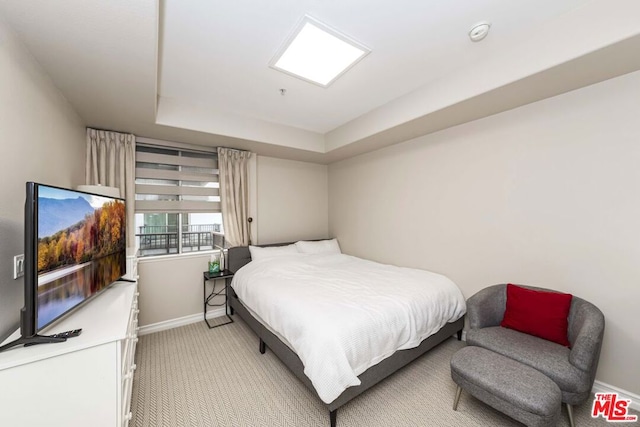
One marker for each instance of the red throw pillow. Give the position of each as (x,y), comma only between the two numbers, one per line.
(539,313)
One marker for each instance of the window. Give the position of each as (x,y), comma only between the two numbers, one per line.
(177,201)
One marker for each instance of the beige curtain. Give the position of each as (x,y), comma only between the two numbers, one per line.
(234,195)
(111,161)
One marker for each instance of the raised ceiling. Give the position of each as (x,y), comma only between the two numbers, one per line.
(197,71)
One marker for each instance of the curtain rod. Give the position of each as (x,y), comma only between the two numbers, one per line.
(174,144)
(171,144)
(237,149)
(108,130)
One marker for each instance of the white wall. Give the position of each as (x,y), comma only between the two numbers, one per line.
(42,140)
(292,204)
(171,287)
(547,194)
(292,200)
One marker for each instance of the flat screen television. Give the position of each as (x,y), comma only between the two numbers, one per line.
(75,248)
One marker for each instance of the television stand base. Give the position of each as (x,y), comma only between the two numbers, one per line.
(32,340)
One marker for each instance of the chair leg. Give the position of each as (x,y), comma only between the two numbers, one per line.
(457,399)
(570,412)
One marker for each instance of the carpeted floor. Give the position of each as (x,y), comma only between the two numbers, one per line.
(195,376)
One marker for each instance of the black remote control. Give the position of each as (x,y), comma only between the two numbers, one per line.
(67,334)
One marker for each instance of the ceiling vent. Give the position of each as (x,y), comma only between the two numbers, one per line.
(479,31)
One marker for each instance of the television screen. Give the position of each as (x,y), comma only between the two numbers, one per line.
(81,248)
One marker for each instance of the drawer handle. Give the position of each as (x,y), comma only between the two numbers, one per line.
(128,376)
(136,311)
(129,416)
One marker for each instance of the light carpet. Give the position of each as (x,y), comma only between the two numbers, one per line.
(196,376)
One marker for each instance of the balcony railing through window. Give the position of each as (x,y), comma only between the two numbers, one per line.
(163,239)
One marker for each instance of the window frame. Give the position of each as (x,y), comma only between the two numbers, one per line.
(180,163)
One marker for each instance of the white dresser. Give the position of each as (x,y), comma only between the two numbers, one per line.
(85,381)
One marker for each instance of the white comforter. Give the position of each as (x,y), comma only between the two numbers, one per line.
(342,315)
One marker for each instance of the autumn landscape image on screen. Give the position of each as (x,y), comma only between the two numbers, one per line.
(81,248)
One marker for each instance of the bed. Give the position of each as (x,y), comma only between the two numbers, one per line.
(284,282)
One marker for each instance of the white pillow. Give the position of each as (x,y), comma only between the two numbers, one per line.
(272,251)
(319,247)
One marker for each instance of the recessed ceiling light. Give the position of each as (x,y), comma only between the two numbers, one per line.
(317,53)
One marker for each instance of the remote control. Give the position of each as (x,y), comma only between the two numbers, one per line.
(67,334)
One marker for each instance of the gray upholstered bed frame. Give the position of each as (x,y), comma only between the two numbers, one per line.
(239,256)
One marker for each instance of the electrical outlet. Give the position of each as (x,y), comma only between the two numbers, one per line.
(18,266)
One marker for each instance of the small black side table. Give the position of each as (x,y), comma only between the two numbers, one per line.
(227,276)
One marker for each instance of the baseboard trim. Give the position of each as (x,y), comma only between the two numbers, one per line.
(600,387)
(180,321)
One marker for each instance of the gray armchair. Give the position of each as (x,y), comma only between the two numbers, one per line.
(572,369)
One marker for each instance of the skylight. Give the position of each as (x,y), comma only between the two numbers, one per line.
(317,53)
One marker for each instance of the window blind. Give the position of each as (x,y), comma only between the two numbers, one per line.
(176,180)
